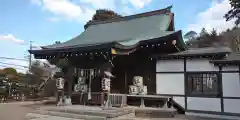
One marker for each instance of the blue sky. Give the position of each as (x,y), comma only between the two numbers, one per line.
(46,21)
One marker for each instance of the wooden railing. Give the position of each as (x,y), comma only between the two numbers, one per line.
(97,98)
(118,100)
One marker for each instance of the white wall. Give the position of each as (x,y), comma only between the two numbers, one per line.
(232,105)
(199,103)
(167,83)
(231,88)
(204,104)
(200,65)
(170,66)
(231,84)
(171,83)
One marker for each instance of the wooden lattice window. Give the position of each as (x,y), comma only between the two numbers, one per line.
(203,84)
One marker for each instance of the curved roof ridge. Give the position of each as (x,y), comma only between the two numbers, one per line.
(166,10)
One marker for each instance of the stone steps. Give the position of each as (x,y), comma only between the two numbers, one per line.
(97,113)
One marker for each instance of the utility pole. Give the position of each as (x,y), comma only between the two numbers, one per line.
(30,56)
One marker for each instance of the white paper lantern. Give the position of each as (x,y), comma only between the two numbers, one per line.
(60,83)
(138,81)
(174,42)
(106,84)
(133,90)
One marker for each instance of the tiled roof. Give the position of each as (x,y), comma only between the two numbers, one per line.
(201,51)
(139,28)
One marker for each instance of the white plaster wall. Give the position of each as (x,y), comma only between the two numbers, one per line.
(170,66)
(230,68)
(231,84)
(204,104)
(167,83)
(180,101)
(200,65)
(231,105)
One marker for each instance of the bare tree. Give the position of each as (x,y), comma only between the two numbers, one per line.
(43,72)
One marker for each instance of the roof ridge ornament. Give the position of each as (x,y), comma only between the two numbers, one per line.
(166,10)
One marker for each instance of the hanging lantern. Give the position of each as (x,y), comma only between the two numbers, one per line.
(106,84)
(91,72)
(174,42)
(81,72)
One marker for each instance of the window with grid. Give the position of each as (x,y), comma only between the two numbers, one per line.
(203,84)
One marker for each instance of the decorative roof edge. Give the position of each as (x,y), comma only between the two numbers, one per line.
(166,10)
(103,45)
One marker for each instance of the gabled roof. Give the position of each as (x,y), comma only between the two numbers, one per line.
(138,27)
(166,10)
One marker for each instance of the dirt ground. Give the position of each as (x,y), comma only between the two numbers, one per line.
(16,110)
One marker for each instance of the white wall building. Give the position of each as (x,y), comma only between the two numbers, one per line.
(203,81)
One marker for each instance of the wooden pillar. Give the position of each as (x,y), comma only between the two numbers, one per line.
(69,78)
(125,81)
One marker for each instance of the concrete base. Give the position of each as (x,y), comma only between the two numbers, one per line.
(79,112)
(82,112)
(155,112)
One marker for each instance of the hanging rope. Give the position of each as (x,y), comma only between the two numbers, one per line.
(109,60)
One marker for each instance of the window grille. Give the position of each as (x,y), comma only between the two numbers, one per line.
(203,84)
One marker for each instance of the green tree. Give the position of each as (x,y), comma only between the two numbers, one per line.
(206,39)
(102,15)
(234,13)
(11,71)
(2,74)
(57,42)
(213,35)
(11,74)
(203,33)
